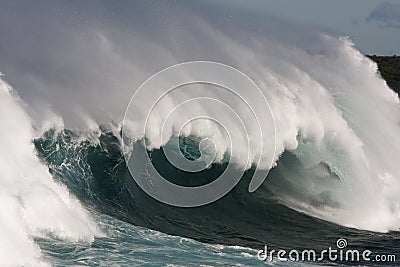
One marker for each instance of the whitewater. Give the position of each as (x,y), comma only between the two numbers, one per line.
(67,194)
(32,203)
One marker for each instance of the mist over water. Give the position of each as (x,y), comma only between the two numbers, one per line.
(332,111)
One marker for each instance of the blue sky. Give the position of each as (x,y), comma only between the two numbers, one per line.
(374,25)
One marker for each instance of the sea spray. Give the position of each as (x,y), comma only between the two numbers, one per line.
(32,203)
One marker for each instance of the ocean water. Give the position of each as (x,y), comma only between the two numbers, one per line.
(98,176)
(90,91)
(69,199)
(129,245)
(138,230)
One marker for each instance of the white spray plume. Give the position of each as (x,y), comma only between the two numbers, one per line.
(31,202)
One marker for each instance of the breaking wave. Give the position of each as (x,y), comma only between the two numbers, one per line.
(32,203)
(336,150)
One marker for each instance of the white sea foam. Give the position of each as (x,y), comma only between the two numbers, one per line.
(31,202)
